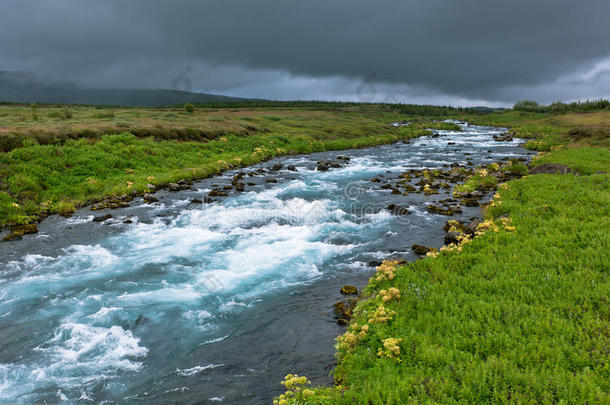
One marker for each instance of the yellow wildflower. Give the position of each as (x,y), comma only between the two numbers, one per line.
(381,314)
(389,294)
(387,270)
(392,348)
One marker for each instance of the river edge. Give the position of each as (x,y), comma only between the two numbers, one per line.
(184,182)
(11,231)
(358,382)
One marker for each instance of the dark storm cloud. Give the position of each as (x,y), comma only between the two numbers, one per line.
(463,50)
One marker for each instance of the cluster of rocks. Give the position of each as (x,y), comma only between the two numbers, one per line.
(17,232)
(344,309)
(454,230)
(505,137)
(326,165)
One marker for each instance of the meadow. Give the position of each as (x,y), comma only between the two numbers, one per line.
(57,159)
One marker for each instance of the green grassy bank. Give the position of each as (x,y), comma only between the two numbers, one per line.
(519,314)
(55,164)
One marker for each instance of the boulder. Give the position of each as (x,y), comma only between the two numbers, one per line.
(453,223)
(344,309)
(18,231)
(102,218)
(433,209)
(452,237)
(271,180)
(421,249)
(218,193)
(322,166)
(276,167)
(292,168)
(471,228)
(349,290)
(149,198)
(173,187)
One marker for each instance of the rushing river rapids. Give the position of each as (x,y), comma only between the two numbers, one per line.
(216,302)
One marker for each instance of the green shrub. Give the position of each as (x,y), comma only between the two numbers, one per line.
(189,108)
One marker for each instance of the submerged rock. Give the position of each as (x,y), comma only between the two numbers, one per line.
(344,310)
(433,209)
(470,202)
(398,210)
(292,168)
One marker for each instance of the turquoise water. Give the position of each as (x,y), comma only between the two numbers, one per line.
(216,302)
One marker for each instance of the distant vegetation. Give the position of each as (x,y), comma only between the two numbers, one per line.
(559,107)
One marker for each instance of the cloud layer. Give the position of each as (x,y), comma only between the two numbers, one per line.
(465,52)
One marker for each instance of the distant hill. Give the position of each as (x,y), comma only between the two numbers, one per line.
(18,87)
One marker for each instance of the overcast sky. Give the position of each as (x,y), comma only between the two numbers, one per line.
(466,52)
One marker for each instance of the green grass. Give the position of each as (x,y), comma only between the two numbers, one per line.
(584,160)
(57,178)
(69,155)
(516,317)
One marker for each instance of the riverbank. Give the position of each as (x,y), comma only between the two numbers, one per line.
(517,314)
(56,165)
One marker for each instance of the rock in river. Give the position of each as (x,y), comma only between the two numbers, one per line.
(421,249)
(349,290)
(102,218)
(18,231)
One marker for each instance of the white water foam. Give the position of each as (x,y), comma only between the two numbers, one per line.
(196,370)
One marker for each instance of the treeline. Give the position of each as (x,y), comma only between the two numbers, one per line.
(559,107)
(407,109)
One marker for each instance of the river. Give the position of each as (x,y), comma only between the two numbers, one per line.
(213,303)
